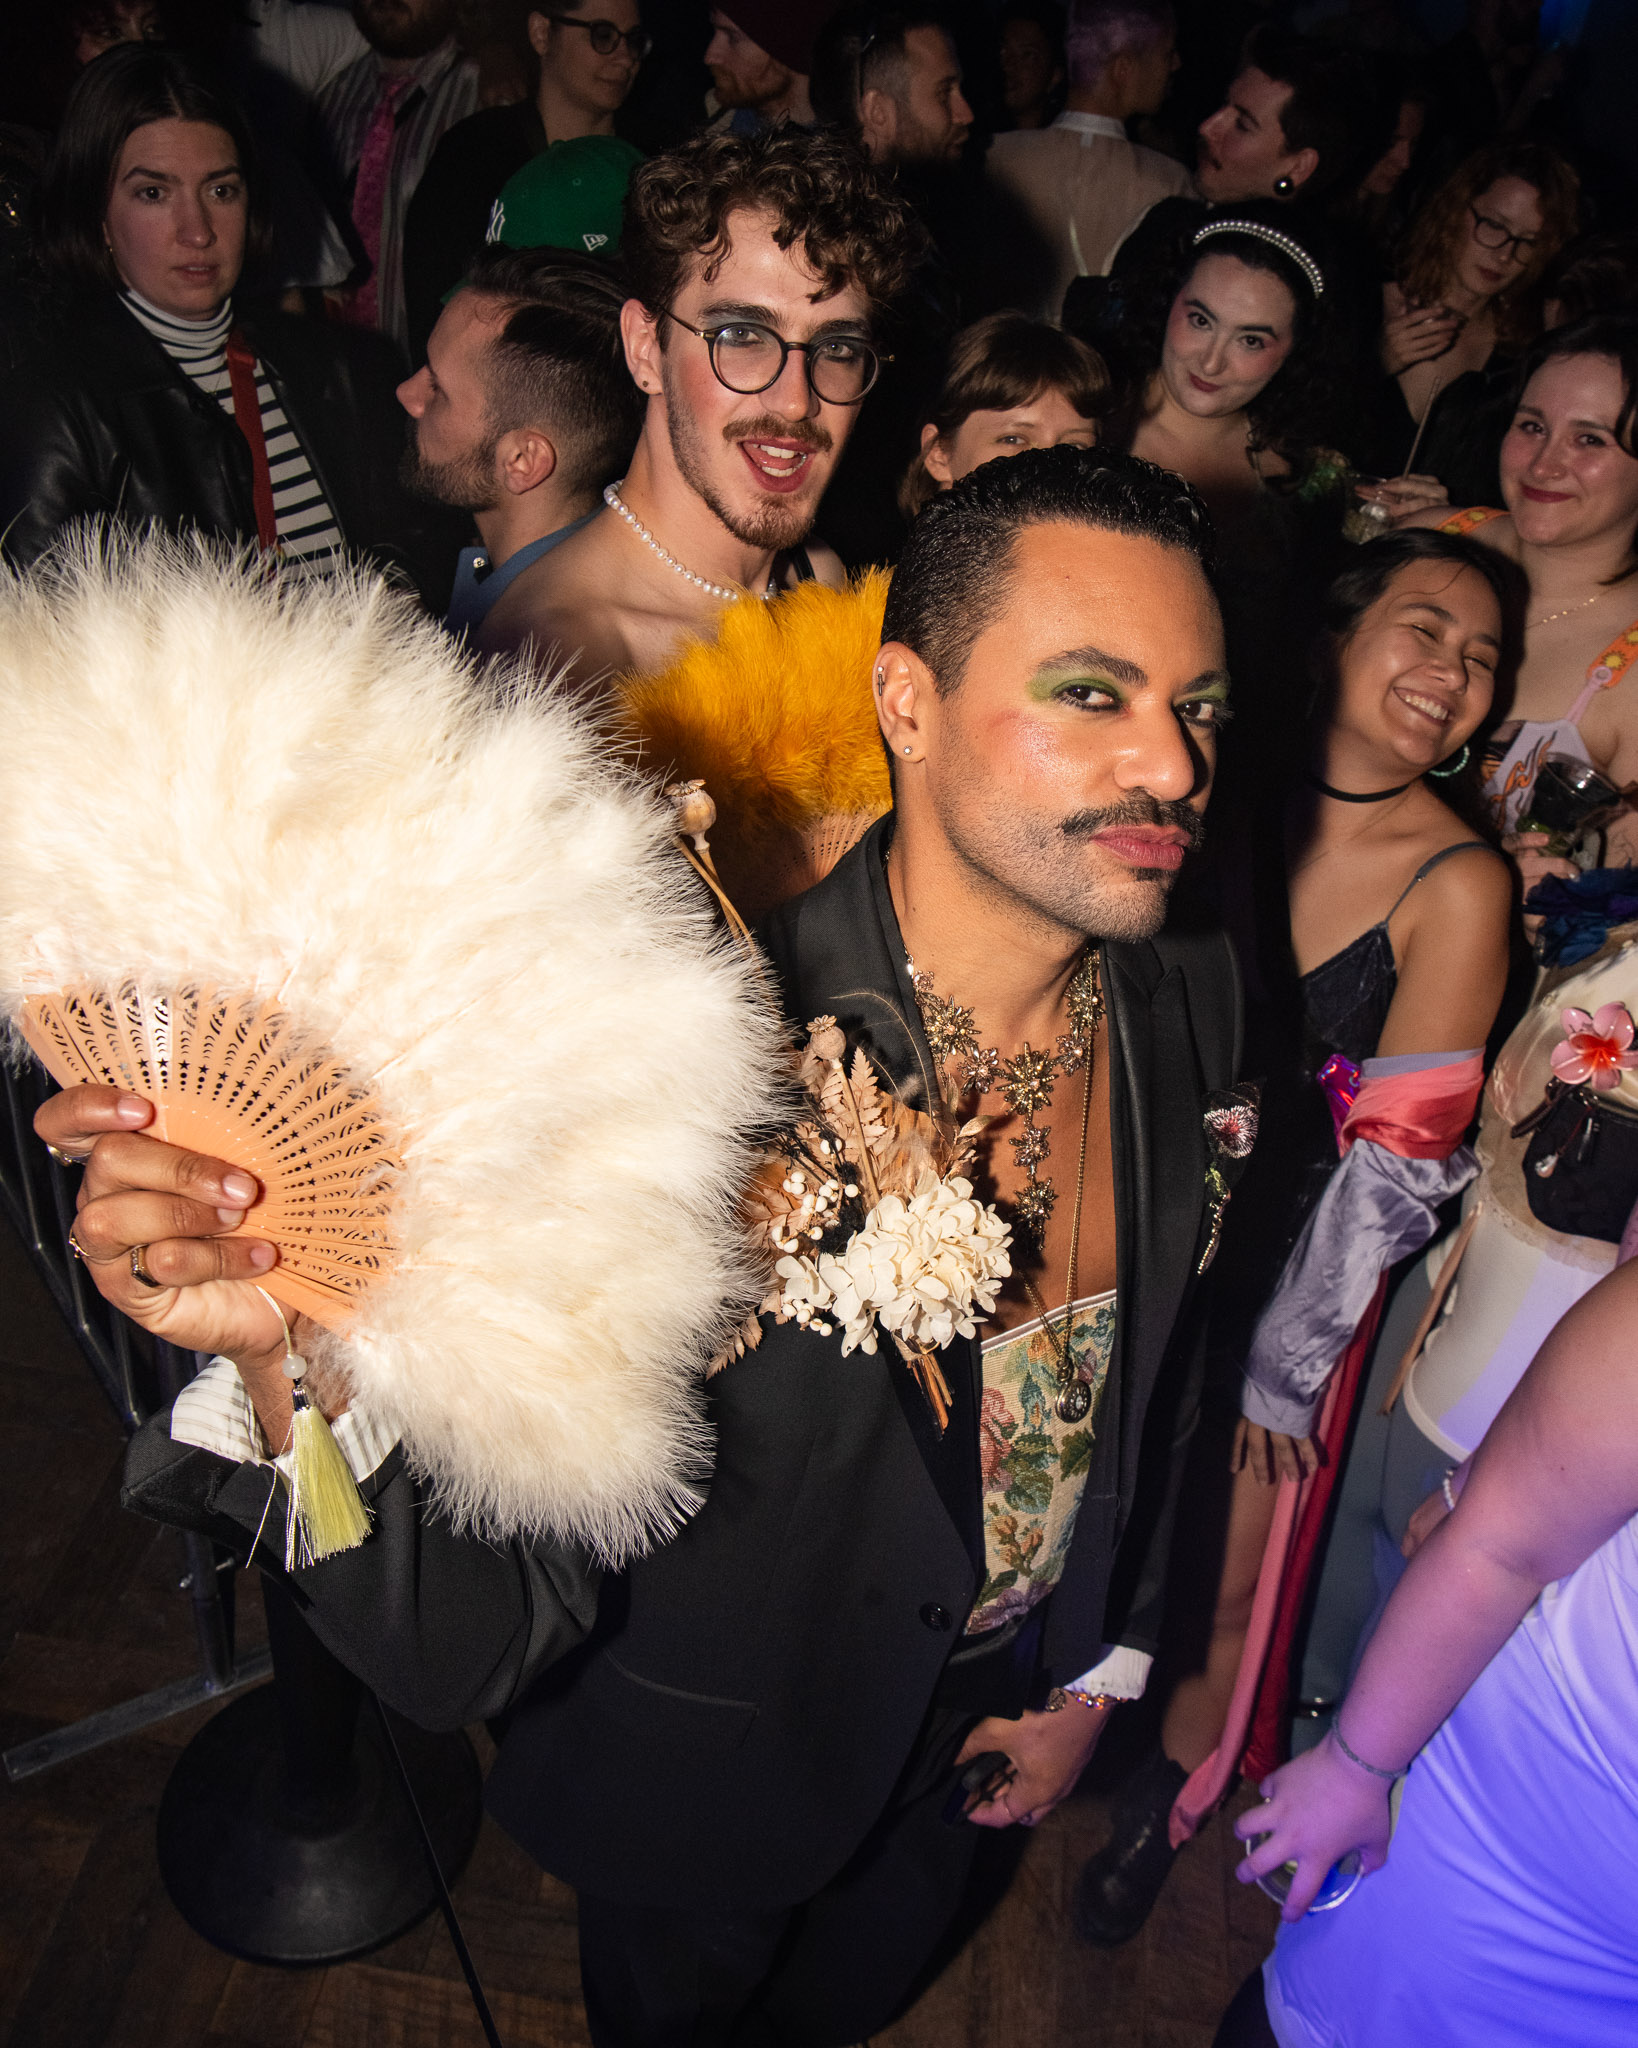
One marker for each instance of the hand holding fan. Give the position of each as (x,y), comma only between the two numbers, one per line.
(391,932)
(237,1079)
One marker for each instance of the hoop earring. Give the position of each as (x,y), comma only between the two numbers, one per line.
(1456,765)
(1283,188)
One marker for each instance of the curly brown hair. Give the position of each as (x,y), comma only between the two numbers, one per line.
(1427,256)
(820,190)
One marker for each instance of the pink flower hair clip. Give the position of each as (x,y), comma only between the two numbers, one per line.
(1595,1049)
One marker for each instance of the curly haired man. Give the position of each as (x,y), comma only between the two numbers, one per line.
(761,267)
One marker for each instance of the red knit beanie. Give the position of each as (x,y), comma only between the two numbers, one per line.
(786,29)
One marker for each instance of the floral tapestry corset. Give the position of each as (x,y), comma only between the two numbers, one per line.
(1033,1465)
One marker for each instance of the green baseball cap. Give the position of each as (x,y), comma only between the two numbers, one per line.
(571,196)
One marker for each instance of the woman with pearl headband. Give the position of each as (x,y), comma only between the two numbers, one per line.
(1230,366)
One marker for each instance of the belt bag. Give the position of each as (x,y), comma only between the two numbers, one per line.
(1581,1164)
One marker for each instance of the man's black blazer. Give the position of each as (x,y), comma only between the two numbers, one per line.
(728,1723)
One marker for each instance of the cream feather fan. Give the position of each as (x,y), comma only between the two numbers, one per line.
(209,777)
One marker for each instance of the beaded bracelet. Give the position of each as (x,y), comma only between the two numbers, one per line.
(1449,1493)
(1375,1770)
(1060,1696)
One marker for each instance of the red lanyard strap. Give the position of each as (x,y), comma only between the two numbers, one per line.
(247,416)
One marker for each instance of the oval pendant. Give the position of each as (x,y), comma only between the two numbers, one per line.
(1074,1402)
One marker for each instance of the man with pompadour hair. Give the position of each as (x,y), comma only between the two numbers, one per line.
(760,1751)
(761,268)
(521,413)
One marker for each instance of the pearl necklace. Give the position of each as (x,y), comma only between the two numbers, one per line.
(726,591)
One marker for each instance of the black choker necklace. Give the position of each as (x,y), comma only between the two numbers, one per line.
(1356,796)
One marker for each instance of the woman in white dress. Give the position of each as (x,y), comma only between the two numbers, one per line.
(1503,1681)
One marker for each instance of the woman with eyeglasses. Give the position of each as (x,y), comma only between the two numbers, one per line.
(589,52)
(1461,307)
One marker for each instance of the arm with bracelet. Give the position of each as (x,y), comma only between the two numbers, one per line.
(1555,1479)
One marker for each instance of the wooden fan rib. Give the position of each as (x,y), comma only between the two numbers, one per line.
(241,1080)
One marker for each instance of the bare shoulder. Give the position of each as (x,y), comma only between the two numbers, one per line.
(552,609)
(1470,893)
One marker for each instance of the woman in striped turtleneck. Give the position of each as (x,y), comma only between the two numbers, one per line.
(154,396)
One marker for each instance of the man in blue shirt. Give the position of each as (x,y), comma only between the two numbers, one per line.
(522,412)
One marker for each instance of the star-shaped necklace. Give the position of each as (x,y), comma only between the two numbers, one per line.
(1026,1084)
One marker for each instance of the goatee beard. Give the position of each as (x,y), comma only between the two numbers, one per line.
(775,523)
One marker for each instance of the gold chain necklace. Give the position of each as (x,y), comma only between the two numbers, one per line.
(1568,609)
(1026,1084)
(1582,606)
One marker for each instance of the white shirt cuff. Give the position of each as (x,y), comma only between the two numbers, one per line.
(214,1413)
(1121,1673)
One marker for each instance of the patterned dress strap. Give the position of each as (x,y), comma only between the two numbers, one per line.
(1615,660)
(1475,515)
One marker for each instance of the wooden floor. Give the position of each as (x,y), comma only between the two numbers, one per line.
(93,1955)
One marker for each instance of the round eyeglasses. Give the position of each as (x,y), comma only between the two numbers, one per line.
(1495,234)
(607,36)
(748,357)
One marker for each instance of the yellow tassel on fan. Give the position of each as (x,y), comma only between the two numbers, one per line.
(327,1511)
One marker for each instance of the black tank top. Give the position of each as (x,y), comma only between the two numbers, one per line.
(1346,999)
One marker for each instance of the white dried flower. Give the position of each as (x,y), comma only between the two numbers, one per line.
(919,1268)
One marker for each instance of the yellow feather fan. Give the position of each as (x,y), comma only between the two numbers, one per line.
(777,718)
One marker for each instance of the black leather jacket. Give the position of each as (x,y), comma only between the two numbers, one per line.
(99,421)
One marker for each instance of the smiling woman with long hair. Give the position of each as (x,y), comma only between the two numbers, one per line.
(1569,486)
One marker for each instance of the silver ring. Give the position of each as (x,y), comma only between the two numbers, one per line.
(68,1158)
(139,1271)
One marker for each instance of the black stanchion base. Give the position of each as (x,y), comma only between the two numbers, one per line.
(275,1873)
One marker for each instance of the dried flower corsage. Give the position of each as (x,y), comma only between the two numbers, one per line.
(869,1222)
(1596,1048)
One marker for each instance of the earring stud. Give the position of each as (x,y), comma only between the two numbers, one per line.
(907,750)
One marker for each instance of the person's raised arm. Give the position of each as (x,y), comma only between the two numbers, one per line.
(1554,1479)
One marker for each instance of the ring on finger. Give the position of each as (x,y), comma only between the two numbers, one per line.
(67,1158)
(84,1256)
(139,1271)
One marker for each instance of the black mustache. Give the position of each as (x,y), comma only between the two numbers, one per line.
(1139,810)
